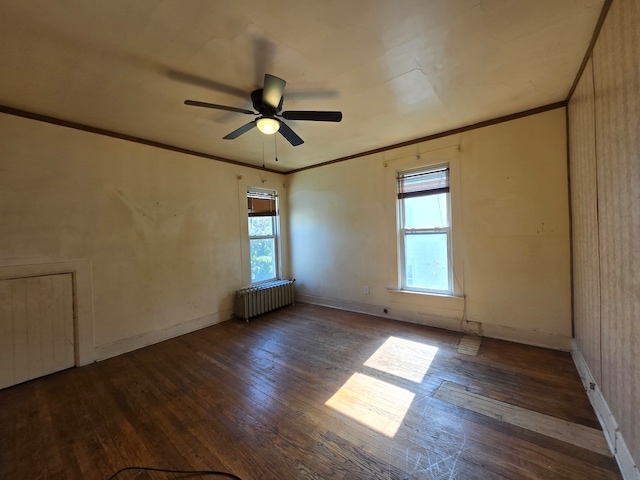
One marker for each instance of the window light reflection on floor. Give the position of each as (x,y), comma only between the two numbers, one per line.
(378,405)
(381,405)
(403,358)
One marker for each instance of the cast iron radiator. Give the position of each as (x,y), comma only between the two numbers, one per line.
(263,298)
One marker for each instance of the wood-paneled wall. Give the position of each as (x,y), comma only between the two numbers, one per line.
(604,129)
(584,214)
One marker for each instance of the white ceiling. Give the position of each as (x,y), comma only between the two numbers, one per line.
(398,70)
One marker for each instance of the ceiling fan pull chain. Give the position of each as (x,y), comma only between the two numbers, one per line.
(275,142)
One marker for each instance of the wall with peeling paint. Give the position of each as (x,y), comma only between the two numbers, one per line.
(160,230)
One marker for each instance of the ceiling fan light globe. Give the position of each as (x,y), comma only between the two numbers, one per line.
(268,125)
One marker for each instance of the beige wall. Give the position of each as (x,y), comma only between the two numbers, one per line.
(604,124)
(161,231)
(511,232)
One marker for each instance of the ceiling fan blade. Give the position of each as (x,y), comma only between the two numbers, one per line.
(314,116)
(263,54)
(195,103)
(203,82)
(272,91)
(239,131)
(290,135)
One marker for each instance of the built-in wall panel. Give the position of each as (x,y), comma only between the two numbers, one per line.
(604,117)
(584,218)
(36,327)
(616,60)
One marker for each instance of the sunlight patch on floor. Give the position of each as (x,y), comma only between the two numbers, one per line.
(378,405)
(403,358)
(381,405)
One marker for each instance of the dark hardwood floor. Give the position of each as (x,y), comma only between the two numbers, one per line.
(302,393)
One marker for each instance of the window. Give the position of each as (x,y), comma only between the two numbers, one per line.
(425,232)
(263,238)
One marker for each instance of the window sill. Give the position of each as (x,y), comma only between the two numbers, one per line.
(438,300)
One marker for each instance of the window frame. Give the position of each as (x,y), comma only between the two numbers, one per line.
(275,223)
(403,232)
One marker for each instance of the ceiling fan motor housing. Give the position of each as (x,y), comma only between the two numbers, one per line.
(263,108)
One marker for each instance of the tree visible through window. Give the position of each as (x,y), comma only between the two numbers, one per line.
(263,249)
(425,234)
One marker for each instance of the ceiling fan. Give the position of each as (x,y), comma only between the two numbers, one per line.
(268,103)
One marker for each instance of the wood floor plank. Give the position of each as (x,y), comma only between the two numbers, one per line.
(253,399)
(579,435)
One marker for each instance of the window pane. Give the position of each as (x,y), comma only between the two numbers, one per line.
(429,211)
(263,259)
(426,263)
(259,226)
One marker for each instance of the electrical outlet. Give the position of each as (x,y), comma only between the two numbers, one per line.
(385,310)
(366,290)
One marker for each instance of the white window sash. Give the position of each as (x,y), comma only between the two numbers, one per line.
(403,232)
(274,236)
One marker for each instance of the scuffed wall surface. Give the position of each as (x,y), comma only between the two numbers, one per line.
(516,224)
(161,229)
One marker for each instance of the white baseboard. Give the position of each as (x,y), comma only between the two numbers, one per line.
(528,337)
(108,350)
(608,422)
(378,311)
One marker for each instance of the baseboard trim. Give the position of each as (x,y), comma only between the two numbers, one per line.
(378,311)
(527,337)
(608,422)
(129,344)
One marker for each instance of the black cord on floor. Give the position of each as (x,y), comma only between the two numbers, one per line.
(188,472)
